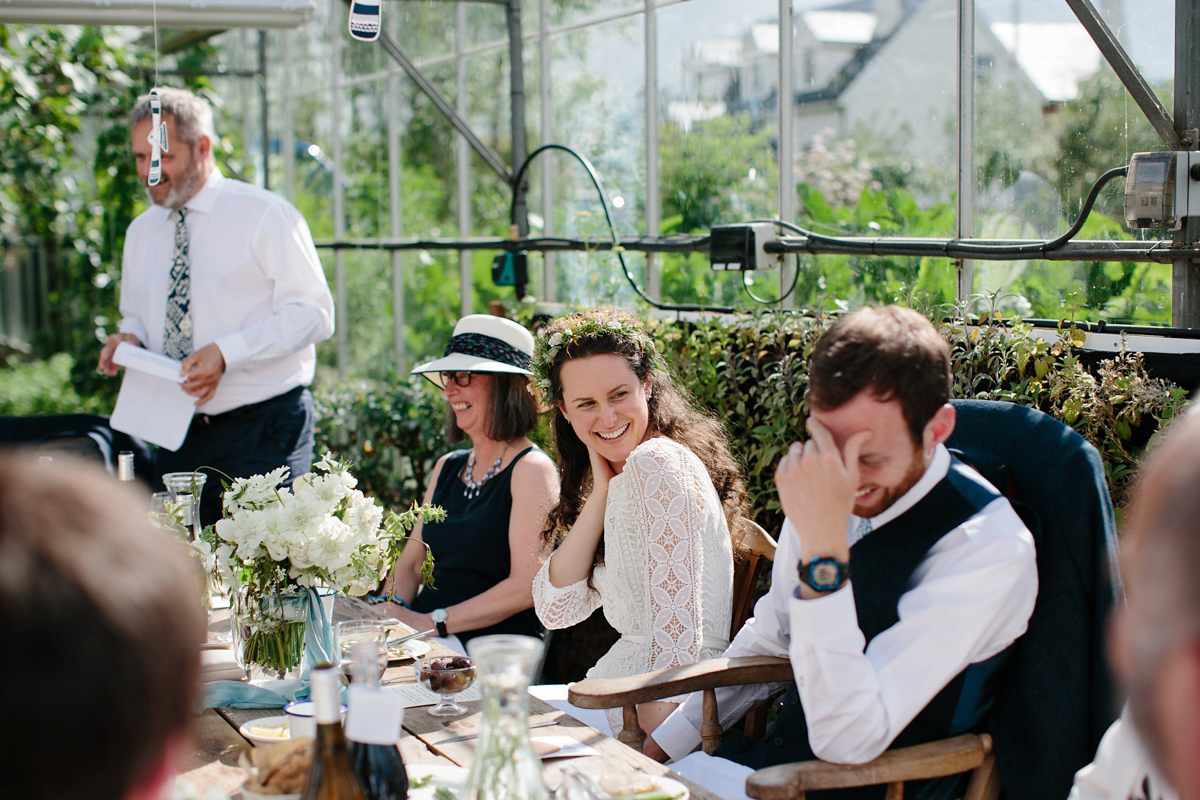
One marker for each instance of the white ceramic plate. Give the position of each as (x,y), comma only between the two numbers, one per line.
(453,778)
(408,651)
(264,730)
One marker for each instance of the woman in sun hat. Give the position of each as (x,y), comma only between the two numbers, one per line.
(650,513)
(496,494)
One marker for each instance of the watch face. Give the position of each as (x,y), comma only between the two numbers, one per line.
(825,574)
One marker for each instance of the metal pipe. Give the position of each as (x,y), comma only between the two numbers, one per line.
(1161,252)
(786,181)
(1185,275)
(264,109)
(396,207)
(546,103)
(653,201)
(516,76)
(339,196)
(463,161)
(287,141)
(964,214)
(1128,72)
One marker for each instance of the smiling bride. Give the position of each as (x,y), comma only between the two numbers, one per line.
(648,520)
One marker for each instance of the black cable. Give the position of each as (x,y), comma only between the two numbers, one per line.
(953,249)
(587,165)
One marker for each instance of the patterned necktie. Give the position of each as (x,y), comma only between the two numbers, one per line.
(864,526)
(177,330)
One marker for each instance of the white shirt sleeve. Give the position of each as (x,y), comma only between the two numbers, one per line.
(972,597)
(1121,770)
(302,306)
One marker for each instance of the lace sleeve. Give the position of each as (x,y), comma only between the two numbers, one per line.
(562,607)
(668,498)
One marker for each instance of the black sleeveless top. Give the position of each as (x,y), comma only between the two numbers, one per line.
(882,563)
(470,548)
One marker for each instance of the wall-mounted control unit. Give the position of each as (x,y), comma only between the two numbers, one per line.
(740,247)
(1162,188)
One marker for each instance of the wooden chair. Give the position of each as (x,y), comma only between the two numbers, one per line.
(1055,700)
(628,693)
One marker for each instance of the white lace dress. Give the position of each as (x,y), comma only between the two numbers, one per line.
(666,583)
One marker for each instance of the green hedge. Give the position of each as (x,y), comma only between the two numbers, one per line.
(752,373)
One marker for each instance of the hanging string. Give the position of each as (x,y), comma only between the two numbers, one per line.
(154,19)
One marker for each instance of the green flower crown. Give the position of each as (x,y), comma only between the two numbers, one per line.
(549,343)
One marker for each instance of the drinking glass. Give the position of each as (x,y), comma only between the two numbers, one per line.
(177,482)
(353,631)
(447,677)
(158,502)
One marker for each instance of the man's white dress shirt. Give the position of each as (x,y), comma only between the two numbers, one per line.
(257,288)
(1122,769)
(972,597)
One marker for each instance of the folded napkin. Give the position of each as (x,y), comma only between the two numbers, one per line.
(722,777)
(218,663)
(259,694)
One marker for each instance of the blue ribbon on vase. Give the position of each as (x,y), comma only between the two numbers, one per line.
(320,646)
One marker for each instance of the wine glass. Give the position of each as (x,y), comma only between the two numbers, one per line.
(447,677)
(351,632)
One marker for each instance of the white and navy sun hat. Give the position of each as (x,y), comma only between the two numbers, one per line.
(483,343)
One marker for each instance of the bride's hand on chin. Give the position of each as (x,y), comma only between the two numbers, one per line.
(602,471)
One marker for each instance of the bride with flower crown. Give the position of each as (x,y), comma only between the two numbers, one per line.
(647,523)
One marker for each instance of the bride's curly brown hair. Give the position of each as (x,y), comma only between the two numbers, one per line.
(672,413)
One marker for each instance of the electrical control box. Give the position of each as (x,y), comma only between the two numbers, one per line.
(1161,189)
(740,247)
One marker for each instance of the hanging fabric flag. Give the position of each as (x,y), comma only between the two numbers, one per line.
(157,139)
(364,20)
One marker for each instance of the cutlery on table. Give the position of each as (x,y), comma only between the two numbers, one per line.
(417,635)
(467,737)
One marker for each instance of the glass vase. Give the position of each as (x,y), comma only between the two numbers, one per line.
(505,766)
(271,631)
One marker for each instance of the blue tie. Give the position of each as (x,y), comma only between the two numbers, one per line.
(177,329)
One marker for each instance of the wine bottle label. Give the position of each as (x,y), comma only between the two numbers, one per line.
(326,696)
(375,715)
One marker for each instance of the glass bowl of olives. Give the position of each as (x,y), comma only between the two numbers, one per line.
(446,676)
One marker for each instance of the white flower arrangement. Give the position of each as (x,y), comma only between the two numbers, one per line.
(275,543)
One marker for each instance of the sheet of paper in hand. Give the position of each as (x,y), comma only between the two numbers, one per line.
(151,405)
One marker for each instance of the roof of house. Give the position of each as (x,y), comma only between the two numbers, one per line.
(850,27)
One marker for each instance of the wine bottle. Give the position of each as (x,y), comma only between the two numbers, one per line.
(373,728)
(331,776)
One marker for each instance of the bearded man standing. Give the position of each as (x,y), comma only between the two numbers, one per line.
(223,276)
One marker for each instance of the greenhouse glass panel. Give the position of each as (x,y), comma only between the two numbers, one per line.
(1051,117)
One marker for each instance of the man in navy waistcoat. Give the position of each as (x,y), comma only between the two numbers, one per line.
(902,577)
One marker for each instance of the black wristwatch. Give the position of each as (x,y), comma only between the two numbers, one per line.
(438,618)
(824,574)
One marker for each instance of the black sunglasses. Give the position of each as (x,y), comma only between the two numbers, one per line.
(461,378)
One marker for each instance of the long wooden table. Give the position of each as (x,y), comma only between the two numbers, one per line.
(218,742)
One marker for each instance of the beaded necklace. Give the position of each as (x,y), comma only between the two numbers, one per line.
(473,486)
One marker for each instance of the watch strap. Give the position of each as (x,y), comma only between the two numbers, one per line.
(806,572)
(439,621)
